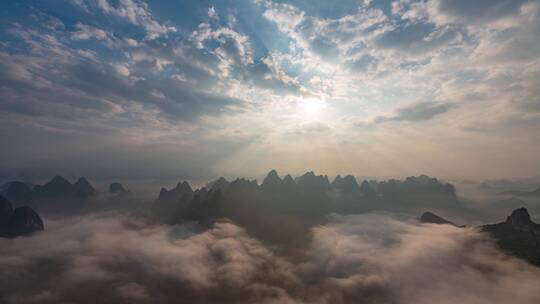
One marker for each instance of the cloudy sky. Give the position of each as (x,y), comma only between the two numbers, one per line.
(197,89)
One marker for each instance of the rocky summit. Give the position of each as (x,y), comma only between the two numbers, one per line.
(518,235)
(19,222)
(431,218)
(117,188)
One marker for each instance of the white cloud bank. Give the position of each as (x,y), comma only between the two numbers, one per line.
(368,258)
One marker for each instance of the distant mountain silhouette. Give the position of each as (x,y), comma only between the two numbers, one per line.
(310,182)
(180,189)
(518,235)
(272,182)
(367,189)
(533,193)
(82,188)
(117,188)
(5,186)
(297,204)
(521,220)
(19,192)
(24,221)
(431,218)
(21,221)
(416,186)
(171,203)
(220,183)
(57,188)
(345,184)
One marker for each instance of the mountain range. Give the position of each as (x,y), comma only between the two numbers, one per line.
(58,188)
(297,204)
(280,210)
(521,193)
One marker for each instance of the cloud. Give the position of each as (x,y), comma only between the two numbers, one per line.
(120,259)
(233,48)
(417,38)
(199,76)
(138,13)
(86,32)
(84,81)
(416,112)
(398,262)
(81,4)
(372,258)
(478,11)
(269,74)
(212,13)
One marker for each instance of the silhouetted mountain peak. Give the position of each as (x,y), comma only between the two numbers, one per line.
(288,180)
(18,192)
(520,219)
(17,185)
(58,180)
(413,187)
(220,183)
(432,218)
(184,187)
(24,221)
(162,191)
(181,188)
(83,188)
(310,181)
(345,184)
(518,235)
(272,181)
(423,180)
(366,189)
(21,221)
(82,180)
(57,187)
(309,174)
(242,184)
(272,176)
(117,188)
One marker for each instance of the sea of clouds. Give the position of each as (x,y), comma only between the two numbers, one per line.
(369,258)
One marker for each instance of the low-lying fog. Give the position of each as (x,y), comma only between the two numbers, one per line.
(368,258)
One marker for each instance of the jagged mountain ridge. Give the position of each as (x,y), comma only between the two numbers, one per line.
(303,201)
(57,188)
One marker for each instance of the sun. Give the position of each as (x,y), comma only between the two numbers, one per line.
(311,107)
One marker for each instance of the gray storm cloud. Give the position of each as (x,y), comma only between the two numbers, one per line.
(109,258)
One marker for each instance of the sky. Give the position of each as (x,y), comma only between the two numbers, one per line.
(193,90)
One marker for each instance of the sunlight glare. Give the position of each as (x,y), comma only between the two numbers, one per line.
(311,107)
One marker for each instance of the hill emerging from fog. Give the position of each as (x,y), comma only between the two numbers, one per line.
(282,209)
